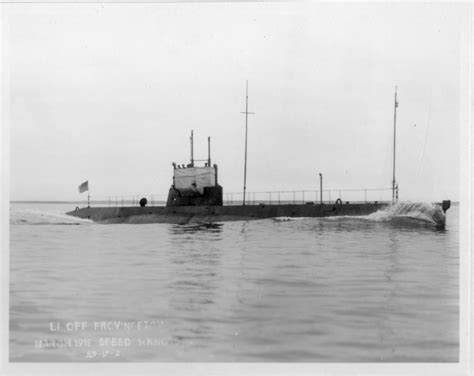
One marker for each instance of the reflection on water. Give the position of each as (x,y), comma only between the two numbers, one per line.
(301,290)
(397,223)
(193,228)
(412,224)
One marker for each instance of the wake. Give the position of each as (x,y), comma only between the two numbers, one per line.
(40,217)
(408,212)
(424,212)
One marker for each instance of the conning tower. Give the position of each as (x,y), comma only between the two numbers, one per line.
(195,185)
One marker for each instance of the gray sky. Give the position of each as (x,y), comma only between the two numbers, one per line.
(110,92)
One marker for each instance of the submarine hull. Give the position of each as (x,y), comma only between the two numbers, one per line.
(194,214)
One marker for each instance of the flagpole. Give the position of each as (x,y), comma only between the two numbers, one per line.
(85,187)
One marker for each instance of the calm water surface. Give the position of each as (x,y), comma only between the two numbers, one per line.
(300,290)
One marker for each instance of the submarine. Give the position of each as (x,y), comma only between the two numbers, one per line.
(196,196)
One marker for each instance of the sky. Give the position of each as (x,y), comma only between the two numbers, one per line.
(109,93)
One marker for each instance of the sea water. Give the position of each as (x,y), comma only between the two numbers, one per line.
(378,288)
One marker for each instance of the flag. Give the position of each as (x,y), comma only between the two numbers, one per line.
(84,186)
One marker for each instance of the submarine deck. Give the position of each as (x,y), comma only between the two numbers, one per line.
(194,214)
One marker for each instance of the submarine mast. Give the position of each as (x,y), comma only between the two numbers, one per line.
(191,139)
(246,129)
(394,182)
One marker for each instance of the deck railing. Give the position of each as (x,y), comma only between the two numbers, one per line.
(308,196)
(127,200)
(263,197)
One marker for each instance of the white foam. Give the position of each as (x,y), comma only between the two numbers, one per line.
(286,219)
(41,217)
(420,211)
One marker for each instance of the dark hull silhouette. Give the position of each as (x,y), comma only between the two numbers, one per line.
(195,214)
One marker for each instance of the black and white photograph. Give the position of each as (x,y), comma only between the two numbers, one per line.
(243,187)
